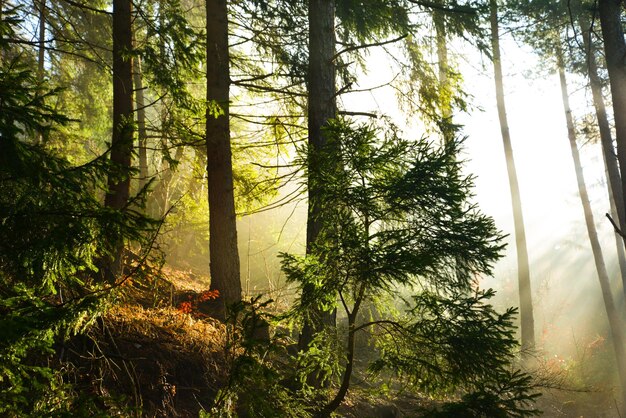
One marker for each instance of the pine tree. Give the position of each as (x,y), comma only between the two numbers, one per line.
(225,275)
(523,268)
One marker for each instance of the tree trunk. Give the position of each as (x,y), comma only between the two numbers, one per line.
(224,255)
(1,37)
(321,97)
(617,332)
(41,5)
(525,292)
(142,135)
(608,151)
(42,39)
(445,93)
(321,108)
(122,137)
(615,53)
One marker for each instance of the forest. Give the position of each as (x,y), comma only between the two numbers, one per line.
(312,208)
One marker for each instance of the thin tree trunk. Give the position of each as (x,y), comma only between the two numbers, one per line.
(2,50)
(122,137)
(224,255)
(41,5)
(617,332)
(42,40)
(321,108)
(347,373)
(142,135)
(525,292)
(445,102)
(608,151)
(615,53)
(1,37)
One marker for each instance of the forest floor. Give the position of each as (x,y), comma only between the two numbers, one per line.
(146,354)
(159,352)
(152,353)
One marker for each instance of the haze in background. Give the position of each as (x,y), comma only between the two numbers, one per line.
(568,303)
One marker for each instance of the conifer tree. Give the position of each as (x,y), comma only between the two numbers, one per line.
(524,282)
(225,275)
(123,127)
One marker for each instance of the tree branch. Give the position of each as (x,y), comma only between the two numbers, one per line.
(615,227)
(363,46)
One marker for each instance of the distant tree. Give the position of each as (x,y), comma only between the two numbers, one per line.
(41,56)
(615,322)
(523,268)
(140,110)
(606,140)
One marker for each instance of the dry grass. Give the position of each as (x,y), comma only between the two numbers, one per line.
(145,355)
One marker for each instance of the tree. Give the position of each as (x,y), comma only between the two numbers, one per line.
(322,108)
(123,127)
(549,21)
(361,27)
(523,269)
(54,228)
(142,134)
(615,323)
(225,275)
(614,50)
(606,139)
(42,39)
(402,229)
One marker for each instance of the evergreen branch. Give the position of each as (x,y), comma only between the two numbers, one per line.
(255,78)
(363,46)
(85,7)
(255,87)
(460,9)
(349,113)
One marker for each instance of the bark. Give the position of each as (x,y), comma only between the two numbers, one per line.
(321,108)
(122,137)
(608,151)
(41,5)
(42,39)
(525,292)
(617,331)
(224,255)
(2,50)
(615,53)
(321,98)
(444,84)
(142,135)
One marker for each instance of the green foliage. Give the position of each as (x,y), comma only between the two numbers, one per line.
(258,369)
(397,220)
(363,21)
(171,51)
(447,333)
(53,229)
(511,394)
